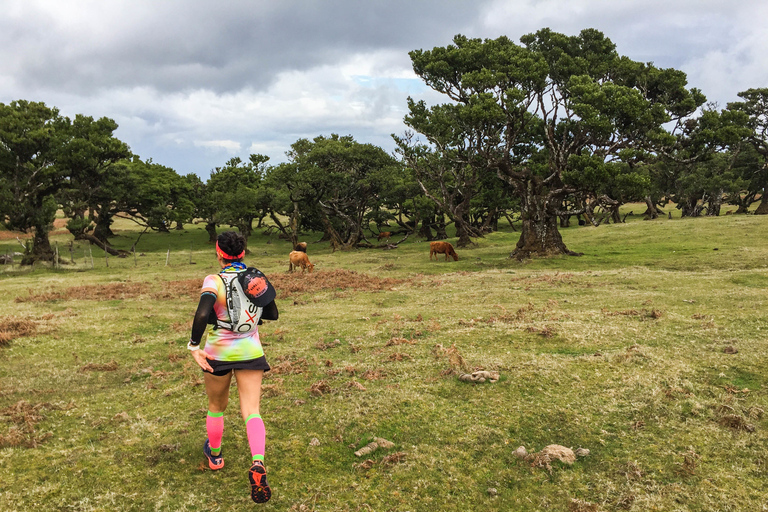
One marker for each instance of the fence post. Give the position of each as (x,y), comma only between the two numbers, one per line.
(134,256)
(72,252)
(106,255)
(190,251)
(56,261)
(90,249)
(168,256)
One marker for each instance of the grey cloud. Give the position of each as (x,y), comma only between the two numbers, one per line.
(176,73)
(183,45)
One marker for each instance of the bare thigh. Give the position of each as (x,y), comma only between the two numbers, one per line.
(249,387)
(217,389)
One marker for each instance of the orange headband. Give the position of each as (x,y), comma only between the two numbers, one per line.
(227,256)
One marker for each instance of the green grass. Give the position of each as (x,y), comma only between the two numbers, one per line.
(620,351)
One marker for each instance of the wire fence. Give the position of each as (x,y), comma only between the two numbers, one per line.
(83,255)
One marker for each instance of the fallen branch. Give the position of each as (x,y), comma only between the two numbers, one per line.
(104,247)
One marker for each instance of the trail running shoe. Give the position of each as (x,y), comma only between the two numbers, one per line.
(260,491)
(214,461)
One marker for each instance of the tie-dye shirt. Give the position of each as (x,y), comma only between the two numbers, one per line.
(223,344)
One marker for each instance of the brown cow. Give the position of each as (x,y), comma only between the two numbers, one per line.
(301,247)
(385,234)
(442,248)
(299,259)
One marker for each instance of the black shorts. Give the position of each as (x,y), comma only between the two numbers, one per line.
(221,368)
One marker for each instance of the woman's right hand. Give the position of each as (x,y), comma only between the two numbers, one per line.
(201,358)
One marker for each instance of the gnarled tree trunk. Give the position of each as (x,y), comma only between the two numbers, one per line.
(651,212)
(210,228)
(762,208)
(41,248)
(714,205)
(540,236)
(102,231)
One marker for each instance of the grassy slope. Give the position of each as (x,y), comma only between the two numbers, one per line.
(619,351)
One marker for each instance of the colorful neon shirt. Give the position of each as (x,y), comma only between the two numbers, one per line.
(222,344)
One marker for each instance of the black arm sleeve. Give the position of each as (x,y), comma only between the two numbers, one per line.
(204,309)
(270,311)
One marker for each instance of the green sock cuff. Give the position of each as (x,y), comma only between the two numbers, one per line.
(216,451)
(258,457)
(215,414)
(249,418)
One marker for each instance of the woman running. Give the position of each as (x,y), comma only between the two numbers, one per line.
(233,347)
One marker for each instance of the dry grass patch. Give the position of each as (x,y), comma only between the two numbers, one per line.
(319,388)
(399,341)
(109,291)
(376,374)
(323,345)
(24,417)
(455,359)
(550,280)
(736,422)
(12,328)
(643,313)
(100,367)
(577,505)
(545,331)
(288,285)
(274,389)
(284,365)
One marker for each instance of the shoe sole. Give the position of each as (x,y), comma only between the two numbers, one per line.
(214,467)
(260,491)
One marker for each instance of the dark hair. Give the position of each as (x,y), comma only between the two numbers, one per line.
(232,243)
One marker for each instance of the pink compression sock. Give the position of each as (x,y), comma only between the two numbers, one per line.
(257,436)
(214,425)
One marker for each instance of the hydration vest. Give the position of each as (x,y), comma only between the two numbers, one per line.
(248,291)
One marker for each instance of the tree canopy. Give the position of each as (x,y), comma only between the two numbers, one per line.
(548,116)
(537,131)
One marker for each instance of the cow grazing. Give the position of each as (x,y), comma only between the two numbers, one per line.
(299,259)
(385,234)
(442,248)
(301,247)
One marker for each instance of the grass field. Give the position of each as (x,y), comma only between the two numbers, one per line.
(649,351)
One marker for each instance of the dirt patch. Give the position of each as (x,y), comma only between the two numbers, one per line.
(12,328)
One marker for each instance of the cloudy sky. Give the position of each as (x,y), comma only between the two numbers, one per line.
(193,83)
